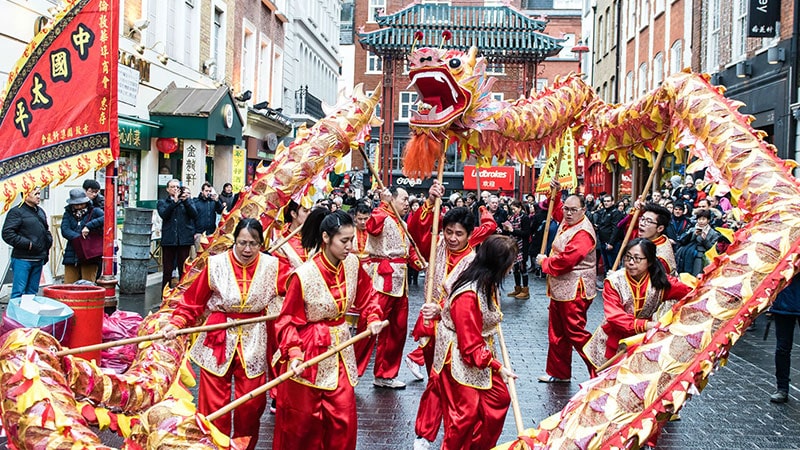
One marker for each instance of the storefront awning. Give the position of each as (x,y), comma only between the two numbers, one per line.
(135,133)
(190,113)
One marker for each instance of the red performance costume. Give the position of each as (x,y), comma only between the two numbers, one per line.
(628,305)
(231,291)
(429,414)
(389,254)
(318,410)
(571,272)
(474,397)
(665,254)
(360,246)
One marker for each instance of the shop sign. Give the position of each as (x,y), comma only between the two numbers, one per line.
(239,167)
(193,164)
(762,16)
(127,84)
(492,178)
(133,135)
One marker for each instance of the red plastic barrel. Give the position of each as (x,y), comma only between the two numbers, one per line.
(86,327)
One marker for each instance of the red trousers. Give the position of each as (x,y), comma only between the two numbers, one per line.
(215,392)
(473,418)
(389,351)
(272,347)
(429,413)
(311,418)
(567,330)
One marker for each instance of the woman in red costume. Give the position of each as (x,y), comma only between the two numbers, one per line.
(318,406)
(236,284)
(631,297)
(475,398)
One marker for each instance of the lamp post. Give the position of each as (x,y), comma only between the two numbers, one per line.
(580,49)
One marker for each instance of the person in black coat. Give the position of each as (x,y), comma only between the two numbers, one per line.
(177,230)
(80,218)
(786,312)
(92,189)
(226,196)
(208,206)
(27,232)
(609,235)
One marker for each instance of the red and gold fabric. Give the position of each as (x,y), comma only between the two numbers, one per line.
(390,252)
(229,291)
(474,397)
(571,267)
(361,244)
(318,409)
(665,254)
(628,305)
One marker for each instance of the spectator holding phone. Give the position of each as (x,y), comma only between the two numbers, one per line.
(178,214)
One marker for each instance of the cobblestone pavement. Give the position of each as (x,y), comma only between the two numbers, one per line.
(733,412)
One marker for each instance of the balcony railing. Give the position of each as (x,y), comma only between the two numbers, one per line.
(308,104)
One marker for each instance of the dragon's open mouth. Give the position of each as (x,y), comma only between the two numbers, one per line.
(441,99)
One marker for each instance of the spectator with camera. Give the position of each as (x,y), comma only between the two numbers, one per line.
(208,206)
(178,214)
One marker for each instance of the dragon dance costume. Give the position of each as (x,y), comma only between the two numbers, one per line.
(571,273)
(390,252)
(474,397)
(429,414)
(231,291)
(318,409)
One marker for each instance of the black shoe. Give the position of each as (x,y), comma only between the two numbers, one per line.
(779,397)
(273,407)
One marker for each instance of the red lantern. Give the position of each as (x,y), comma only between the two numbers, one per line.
(167,145)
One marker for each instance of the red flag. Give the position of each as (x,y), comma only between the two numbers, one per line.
(58,118)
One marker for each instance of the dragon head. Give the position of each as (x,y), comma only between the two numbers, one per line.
(444,81)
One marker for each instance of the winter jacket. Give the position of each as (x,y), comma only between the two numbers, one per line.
(71,229)
(226,200)
(605,221)
(788,300)
(207,210)
(177,228)
(27,232)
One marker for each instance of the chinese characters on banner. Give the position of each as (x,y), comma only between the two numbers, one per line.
(59,116)
(238,168)
(566,172)
(194,164)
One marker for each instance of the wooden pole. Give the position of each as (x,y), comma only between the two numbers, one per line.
(280,243)
(553,193)
(289,374)
(155,337)
(437,206)
(381,186)
(636,211)
(512,387)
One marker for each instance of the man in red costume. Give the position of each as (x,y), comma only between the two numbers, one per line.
(456,248)
(652,223)
(361,213)
(571,272)
(390,252)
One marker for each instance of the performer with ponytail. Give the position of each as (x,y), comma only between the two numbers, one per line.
(318,406)
(237,284)
(475,397)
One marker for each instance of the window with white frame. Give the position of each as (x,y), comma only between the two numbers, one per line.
(631,18)
(374,63)
(377,107)
(248,57)
(712,43)
(264,73)
(408,102)
(601,22)
(277,77)
(497,96)
(375,6)
(642,78)
(739,38)
(660,6)
(658,69)
(495,68)
(644,14)
(629,86)
(436,16)
(541,84)
(217,47)
(676,56)
(173,30)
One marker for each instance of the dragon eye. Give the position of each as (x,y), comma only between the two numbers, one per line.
(454,63)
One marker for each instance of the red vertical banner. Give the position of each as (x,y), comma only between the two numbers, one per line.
(58,118)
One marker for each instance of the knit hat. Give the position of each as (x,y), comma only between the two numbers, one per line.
(675,181)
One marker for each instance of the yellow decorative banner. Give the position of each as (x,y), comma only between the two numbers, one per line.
(566,173)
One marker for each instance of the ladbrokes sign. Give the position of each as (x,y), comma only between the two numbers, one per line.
(492,178)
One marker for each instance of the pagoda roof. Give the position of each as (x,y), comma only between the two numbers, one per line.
(501,33)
